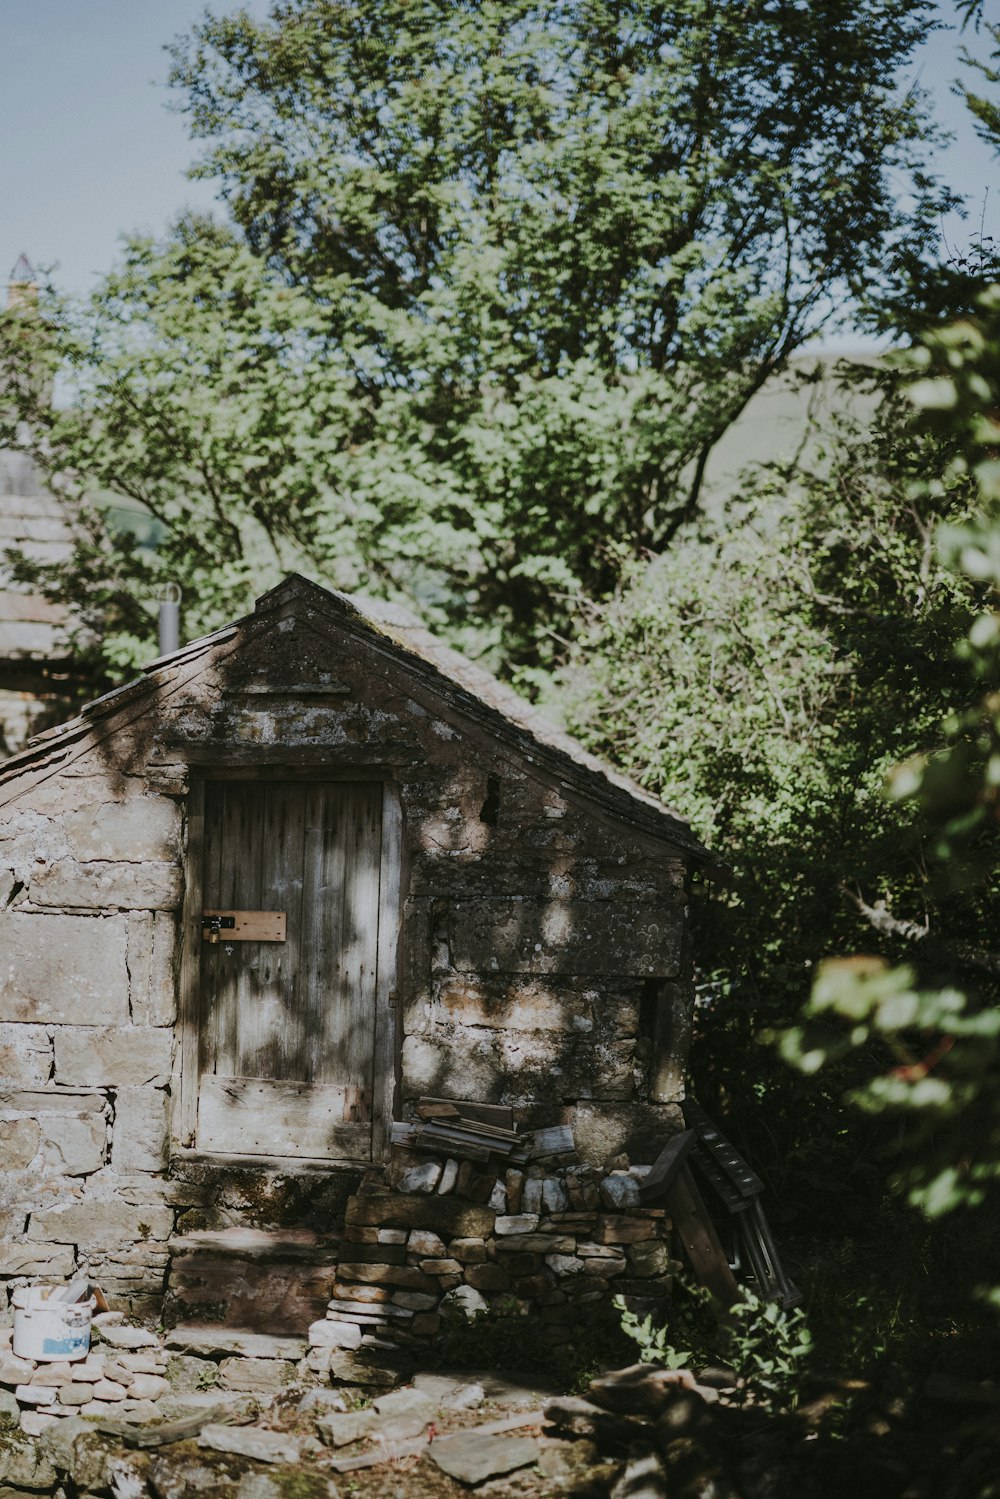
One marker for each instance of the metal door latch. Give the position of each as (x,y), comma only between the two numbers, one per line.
(213,925)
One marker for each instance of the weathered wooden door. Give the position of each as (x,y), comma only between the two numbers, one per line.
(288,1029)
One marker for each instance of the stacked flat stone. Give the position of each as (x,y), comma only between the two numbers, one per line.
(448,1242)
(122,1374)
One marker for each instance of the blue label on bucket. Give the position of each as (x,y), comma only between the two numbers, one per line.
(59,1347)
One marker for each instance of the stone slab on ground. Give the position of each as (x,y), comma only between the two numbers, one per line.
(129,1338)
(248,1441)
(219,1341)
(472,1459)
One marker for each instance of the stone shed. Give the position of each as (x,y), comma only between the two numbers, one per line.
(299,874)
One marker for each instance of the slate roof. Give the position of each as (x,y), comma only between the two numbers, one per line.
(458,682)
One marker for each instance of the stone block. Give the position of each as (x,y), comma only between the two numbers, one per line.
(540,1243)
(615,1228)
(256,1375)
(426,1244)
(517,1223)
(218,1341)
(354,1369)
(327,1333)
(376,1254)
(473,1070)
(406,1276)
(555,1198)
(449,1176)
(75,1146)
(649,1258)
(25,1054)
(505,1004)
(567,937)
(604,1129)
(445,1215)
(94,1224)
(487,1277)
(98,886)
(19,1142)
(514,1183)
(421,1178)
(41,1261)
(63,969)
(620,1190)
(140,1140)
(418,1301)
(464,1061)
(152,955)
(564,1264)
(111,1056)
(142,829)
(440,1268)
(468,1251)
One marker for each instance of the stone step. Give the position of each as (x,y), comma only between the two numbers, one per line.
(259,1244)
(252,1280)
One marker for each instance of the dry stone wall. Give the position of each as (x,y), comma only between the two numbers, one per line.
(432,1242)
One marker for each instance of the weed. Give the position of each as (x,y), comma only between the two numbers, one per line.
(765,1345)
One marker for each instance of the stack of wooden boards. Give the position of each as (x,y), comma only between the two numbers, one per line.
(470,1131)
(738,1190)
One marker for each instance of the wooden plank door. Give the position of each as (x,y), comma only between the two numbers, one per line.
(287,1041)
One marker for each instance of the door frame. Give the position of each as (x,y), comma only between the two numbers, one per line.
(389,964)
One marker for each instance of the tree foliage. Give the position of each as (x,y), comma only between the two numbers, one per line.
(764,678)
(943,1074)
(496,278)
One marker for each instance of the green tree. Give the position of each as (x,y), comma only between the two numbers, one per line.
(498,277)
(940,1041)
(764,678)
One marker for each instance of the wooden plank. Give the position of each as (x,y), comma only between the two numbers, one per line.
(462,1150)
(447,1132)
(388,1038)
(501,1116)
(556,1140)
(340,932)
(263,1116)
(234,852)
(210,879)
(712,1173)
(731,1162)
(248,926)
(666,1166)
(278,1028)
(427,1109)
(699,1238)
(190,966)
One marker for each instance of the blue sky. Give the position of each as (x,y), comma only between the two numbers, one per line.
(91,151)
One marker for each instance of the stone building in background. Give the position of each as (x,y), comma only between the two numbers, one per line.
(35,658)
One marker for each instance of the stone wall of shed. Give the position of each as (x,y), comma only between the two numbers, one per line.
(89,888)
(543,954)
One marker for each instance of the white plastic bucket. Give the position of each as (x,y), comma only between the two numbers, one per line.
(45,1329)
